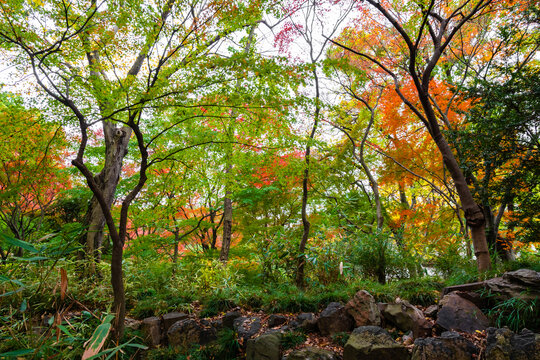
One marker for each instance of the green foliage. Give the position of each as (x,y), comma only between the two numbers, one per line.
(292,339)
(516,314)
(340,338)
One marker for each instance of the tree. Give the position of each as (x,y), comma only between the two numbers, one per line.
(31,175)
(416,38)
(129,68)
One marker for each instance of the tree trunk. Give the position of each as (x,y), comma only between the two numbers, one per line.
(301,262)
(227,228)
(116,147)
(474,215)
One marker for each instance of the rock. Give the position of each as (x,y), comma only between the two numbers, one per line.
(406,317)
(450,346)
(334,319)
(503,344)
(373,343)
(171,318)
(132,324)
(307,321)
(209,331)
(264,347)
(184,333)
(431,311)
(229,318)
(475,298)
(460,314)
(363,308)
(151,329)
(247,327)
(523,284)
(276,320)
(312,353)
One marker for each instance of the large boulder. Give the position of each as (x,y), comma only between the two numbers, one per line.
(151,329)
(406,317)
(522,283)
(184,333)
(450,346)
(460,314)
(311,353)
(373,343)
(264,347)
(364,310)
(503,344)
(334,319)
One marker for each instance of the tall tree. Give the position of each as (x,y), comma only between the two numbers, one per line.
(417,35)
(128,68)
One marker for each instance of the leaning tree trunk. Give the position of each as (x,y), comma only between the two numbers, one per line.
(116,144)
(473,213)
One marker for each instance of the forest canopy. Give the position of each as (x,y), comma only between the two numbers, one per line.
(195,150)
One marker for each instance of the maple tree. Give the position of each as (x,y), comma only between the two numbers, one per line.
(31,175)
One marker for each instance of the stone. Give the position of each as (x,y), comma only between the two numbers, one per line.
(460,314)
(311,353)
(247,327)
(307,321)
(334,319)
(184,333)
(373,343)
(523,284)
(264,347)
(431,311)
(132,324)
(151,329)
(449,346)
(406,317)
(172,317)
(230,317)
(276,320)
(208,332)
(503,344)
(363,308)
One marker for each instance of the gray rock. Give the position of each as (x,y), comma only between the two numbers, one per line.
(503,344)
(311,353)
(184,333)
(264,347)
(431,311)
(172,317)
(460,314)
(276,320)
(247,327)
(307,321)
(450,346)
(230,317)
(523,284)
(151,329)
(406,317)
(363,308)
(373,343)
(334,319)
(208,332)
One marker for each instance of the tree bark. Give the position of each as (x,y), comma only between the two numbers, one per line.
(116,147)
(301,262)
(227,228)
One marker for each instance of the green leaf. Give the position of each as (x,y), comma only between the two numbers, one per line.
(16,353)
(19,243)
(94,345)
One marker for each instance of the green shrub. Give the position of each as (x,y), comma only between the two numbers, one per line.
(292,339)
